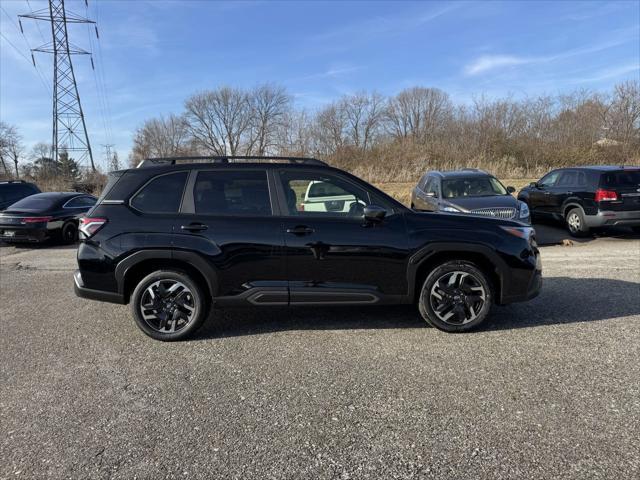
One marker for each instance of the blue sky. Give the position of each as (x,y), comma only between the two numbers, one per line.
(153,54)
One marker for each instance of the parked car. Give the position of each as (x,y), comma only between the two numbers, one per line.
(44,216)
(325,197)
(13,190)
(470,191)
(172,237)
(587,197)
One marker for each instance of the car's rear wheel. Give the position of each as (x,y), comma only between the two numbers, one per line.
(168,305)
(455,297)
(69,233)
(576,223)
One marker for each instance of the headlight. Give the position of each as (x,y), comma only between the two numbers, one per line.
(524,210)
(450,209)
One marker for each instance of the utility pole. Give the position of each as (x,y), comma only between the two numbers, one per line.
(107,154)
(69,127)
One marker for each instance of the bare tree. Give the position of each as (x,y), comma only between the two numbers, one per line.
(363,114)
(623,115)
(11,147)
(418,112)
(160,137)
(219,120)
(329,129)
(269,106)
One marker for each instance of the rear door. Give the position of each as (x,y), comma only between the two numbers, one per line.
(229,217)
(336,257)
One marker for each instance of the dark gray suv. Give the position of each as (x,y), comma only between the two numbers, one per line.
(470,191)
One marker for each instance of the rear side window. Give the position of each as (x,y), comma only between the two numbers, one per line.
(621,179)
(80,202)
(232,193)
(163,194)
(35,203)
(325,189)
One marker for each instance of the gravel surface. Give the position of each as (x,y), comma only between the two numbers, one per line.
(549,389)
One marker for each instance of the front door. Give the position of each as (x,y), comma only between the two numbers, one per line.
(333,255)
(540,196)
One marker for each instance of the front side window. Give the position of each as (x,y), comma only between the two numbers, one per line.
(549,180)
(432,187)
(163,194)
(322,195)
(232,193)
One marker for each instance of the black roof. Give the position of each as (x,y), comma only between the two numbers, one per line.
(607,168)
(230,159)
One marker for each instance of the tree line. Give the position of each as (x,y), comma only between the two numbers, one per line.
(399,137)
(382,139)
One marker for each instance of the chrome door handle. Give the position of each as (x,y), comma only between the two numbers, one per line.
(300,230)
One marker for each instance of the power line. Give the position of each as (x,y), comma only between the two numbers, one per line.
(43,78)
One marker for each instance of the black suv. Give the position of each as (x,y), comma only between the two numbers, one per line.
(13,190)
(470,191)
(587,197)
(175,236)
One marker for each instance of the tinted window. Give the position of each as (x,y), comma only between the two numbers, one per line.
(35,203)
(567,179)
(232,193)
(341,199)
(621,179)
(80,202)
(161,195)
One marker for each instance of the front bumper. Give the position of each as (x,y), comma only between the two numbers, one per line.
(100,295)
(610,218)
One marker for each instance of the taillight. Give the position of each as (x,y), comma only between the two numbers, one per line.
(36,219)
(606,195)
(90,225)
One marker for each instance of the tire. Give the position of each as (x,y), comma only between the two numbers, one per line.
(471,293)
(69,233)
(574,219)
(161,322)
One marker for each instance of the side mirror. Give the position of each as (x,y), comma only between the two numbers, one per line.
(533,184)
(511,189)
(374,213)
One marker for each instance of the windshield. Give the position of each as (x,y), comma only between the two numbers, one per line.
(34,203)
(472,187)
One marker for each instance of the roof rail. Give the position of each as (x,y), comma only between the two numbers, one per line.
(13,181)
(468,169)
(223,159)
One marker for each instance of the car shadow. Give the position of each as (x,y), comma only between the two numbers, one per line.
(552,233)
(563,300)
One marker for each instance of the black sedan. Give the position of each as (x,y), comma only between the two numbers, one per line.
(44,216)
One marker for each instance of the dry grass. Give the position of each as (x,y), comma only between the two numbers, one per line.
(401,191)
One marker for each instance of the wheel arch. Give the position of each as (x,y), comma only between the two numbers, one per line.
(570,205)
(486,260)
(135,267)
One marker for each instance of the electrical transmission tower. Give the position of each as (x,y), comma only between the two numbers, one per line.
(69,127)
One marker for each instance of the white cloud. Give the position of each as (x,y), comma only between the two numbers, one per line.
(491,62)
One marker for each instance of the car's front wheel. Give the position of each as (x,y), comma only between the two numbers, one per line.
(168,305)
(455,297)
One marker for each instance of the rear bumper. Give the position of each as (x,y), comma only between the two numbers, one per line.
(88,293)
(28,235)
(611,218)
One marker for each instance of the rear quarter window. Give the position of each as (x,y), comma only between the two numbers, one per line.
(162,194)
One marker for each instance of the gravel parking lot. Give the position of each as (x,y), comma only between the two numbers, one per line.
(549,389)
